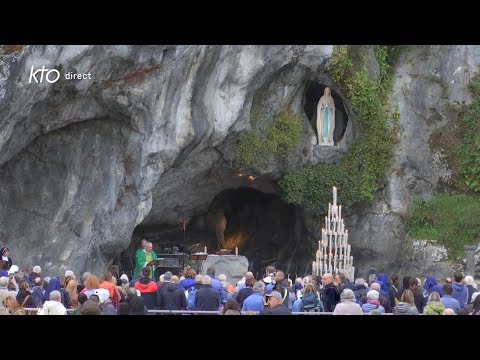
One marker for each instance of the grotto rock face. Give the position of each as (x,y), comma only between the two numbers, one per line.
(79,158)
(148,138)
(428,80)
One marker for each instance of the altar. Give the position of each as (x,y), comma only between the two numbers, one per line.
(233,266)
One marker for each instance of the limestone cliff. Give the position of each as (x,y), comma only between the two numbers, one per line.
(148,138)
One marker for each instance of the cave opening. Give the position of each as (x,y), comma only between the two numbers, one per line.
(313,93)
(263,227)
(267,230)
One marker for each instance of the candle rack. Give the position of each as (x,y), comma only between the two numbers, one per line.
(334,252)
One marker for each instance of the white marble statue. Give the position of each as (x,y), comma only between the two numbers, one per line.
(326,118)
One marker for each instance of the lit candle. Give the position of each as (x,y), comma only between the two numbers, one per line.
(236,251)
(205,250)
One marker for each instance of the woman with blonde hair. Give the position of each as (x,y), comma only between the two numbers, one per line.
(71,290)
(406,306)
(434,306)
(12,306)
(310,300)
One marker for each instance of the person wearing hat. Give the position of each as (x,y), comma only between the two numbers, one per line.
(8,259)
(275,305)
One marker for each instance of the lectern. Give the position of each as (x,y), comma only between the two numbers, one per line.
(198,257)
(156,263)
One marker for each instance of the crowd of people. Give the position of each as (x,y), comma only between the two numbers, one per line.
(273,294)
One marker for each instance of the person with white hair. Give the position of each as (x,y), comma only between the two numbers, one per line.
(347,305)
(207,298)
(470,289)
(4,292)
(361,290)
(255,301)
(372,302)
(54,305)
(467,309)
(298,287)
(36,271)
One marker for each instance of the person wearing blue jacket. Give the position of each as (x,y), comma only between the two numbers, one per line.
(459,289)
(448,300)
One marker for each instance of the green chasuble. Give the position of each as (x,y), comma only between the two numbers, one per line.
(142,257)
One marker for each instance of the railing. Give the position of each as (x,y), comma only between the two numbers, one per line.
(198,312)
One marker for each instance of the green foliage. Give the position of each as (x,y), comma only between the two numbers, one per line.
(268,141)
(459,142)
(450,219)
(394,52)
(358,174)
(470,148)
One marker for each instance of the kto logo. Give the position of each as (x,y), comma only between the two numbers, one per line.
(51,78)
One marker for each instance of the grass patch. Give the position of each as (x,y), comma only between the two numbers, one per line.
(453,220)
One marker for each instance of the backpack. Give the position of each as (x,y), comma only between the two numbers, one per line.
(190,294)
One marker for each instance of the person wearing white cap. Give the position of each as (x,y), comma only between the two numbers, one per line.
(105,303)
(275,305)
(13,270)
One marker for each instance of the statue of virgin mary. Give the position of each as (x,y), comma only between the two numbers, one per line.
(326,118)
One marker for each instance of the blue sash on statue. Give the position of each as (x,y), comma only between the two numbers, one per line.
(325,123)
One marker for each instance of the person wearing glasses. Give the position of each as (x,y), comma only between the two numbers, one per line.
(331,296)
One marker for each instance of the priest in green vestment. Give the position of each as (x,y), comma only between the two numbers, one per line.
(143,257)
(149,256)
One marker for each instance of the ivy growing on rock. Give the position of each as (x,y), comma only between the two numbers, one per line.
(470,148)
(358,174)
(268,141)
(459,142)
